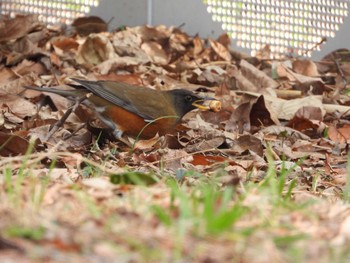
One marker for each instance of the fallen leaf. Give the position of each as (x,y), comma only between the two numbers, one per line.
(257,78)
(90,24)
(18,27)
(260,115)
(220,50)
(305,67)
(247,142)
(155,52)
(11,144)
(96,49)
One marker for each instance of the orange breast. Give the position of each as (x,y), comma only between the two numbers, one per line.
(131,124)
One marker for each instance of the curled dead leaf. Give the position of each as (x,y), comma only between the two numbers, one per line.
(220,50)
(88,25)
(96,49)
(155,52)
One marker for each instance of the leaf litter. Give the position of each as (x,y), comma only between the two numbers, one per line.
(82,196)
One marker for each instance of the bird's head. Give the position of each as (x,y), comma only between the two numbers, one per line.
(185,101)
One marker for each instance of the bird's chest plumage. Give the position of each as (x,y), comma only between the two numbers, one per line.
(161,117)
(134,125)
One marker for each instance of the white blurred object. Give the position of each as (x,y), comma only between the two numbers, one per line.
(289,27)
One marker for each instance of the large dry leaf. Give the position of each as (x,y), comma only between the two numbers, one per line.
(18,27)
(157,33)
(175,159)
(247,142)
(281,131)
(18,106)
(240,119)
(339,135)
(16,86)
(118,62)
(286,109)
(198,45)
(261,115)
(312,87)
(155,52)
(96,49)
(65,44)
(293,76)
(220,50)
(308,120)
(88,25)
(256,77)
(225,40)
(206,144)
(305,67)
(11,144)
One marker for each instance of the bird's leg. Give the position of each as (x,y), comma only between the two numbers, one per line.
(118,134)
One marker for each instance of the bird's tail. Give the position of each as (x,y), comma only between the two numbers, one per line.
(73,93)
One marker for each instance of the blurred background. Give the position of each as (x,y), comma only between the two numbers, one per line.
(308,28)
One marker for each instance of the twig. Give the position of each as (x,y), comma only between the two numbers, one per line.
(61,121)
(74,132)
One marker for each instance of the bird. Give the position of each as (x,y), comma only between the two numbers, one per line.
(131,110)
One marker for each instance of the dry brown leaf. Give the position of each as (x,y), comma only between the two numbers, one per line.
(308,120)
(207,160)
(225,40)
(258,78)
(174,159)
(247,142)
(146,145)
(312,88)
(16,86)
(18,106)
(179,41)
(11,144)
(310,112)
(293,76)
(240,119)
(155,52)
(305,67)
(260,115)
(211,75)
(65,44)
(30,68)
(18,27)
(220,50)
(100,183)
(286,109)
(96,49)
(118,62)
(133,79)
(281,131)
(339,135)
(157,33)
(206,144)
(88,25)
(198,45)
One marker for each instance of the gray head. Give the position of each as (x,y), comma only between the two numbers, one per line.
(184,101)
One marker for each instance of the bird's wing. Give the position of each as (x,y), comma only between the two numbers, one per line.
(115,93)
(154,104)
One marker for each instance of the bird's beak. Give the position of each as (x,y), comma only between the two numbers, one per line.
(206,104)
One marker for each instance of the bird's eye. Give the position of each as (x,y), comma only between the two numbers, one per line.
(188,98)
